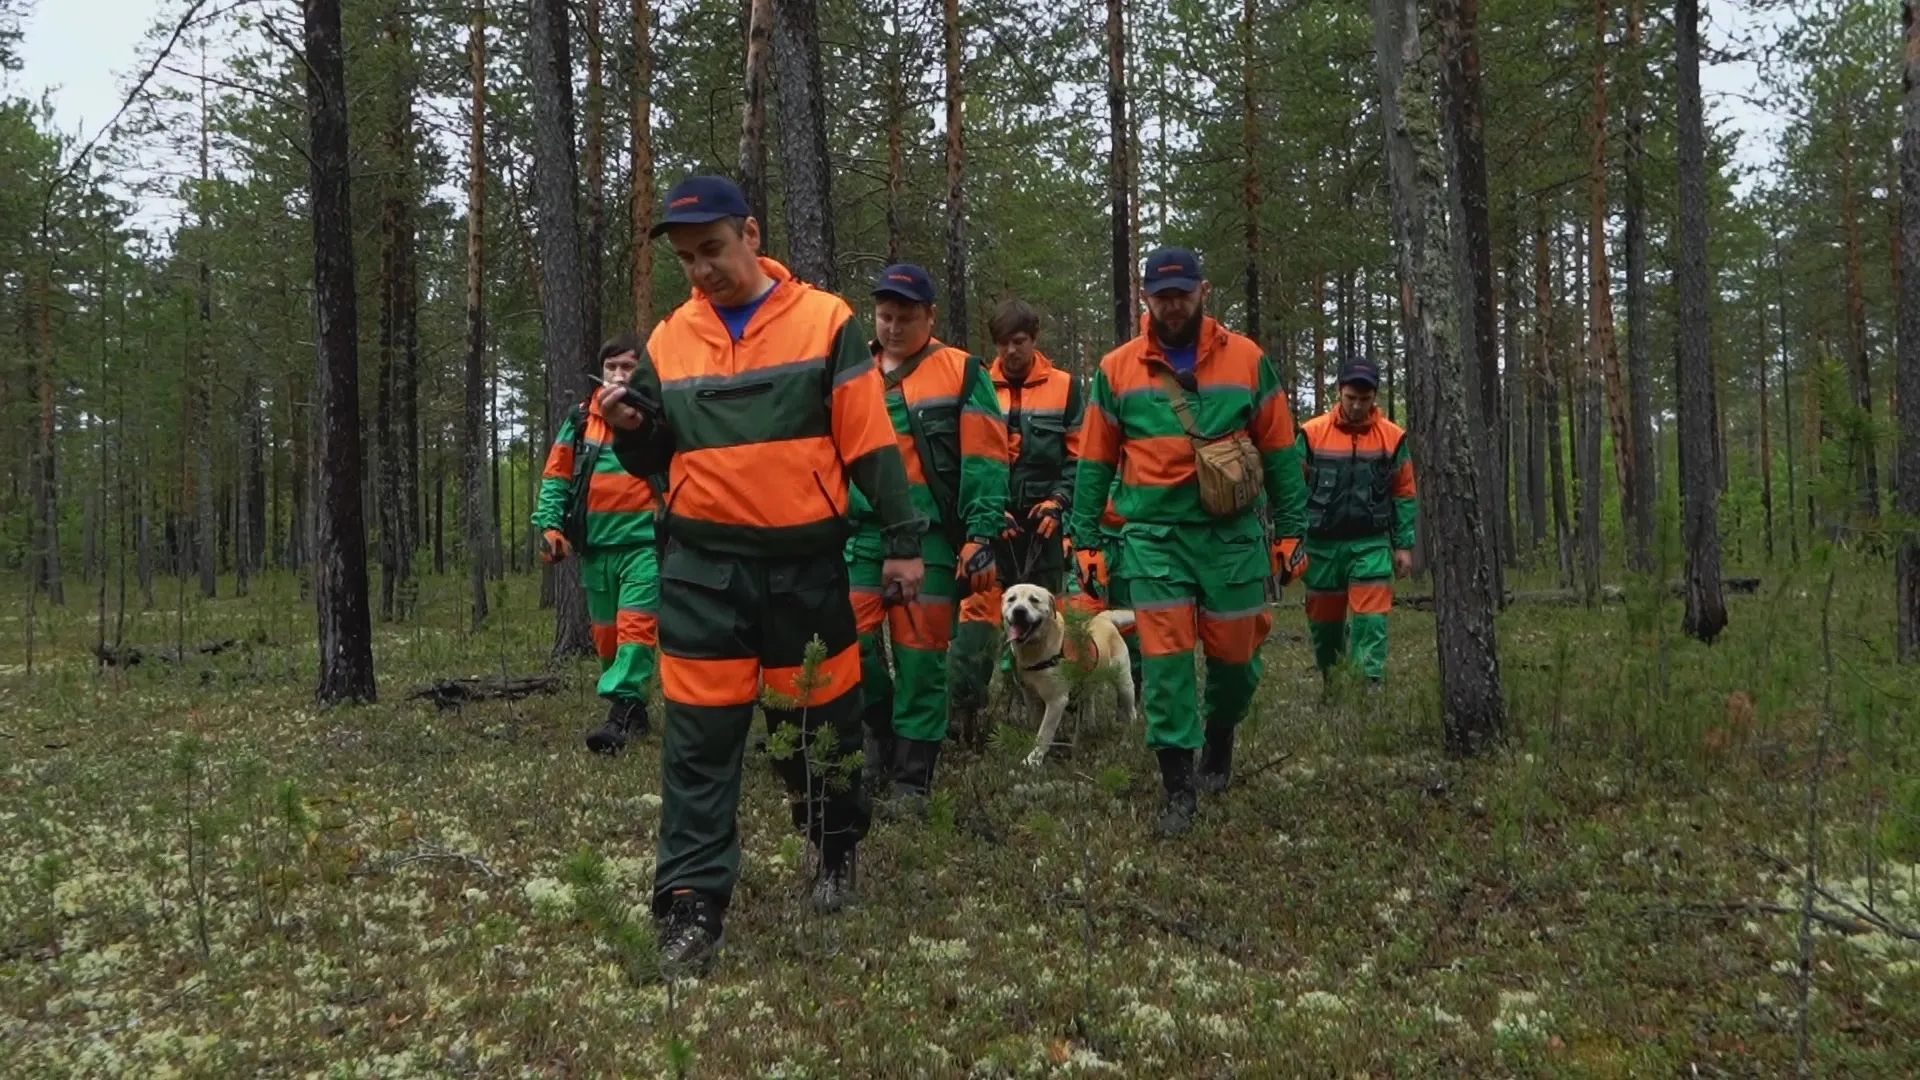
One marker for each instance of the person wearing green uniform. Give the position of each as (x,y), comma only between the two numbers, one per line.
(954,441)
(1195,548)
(592,507)
(1044,410)
(1360,524)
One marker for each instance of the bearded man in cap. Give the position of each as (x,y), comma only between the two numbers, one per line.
(1196,421)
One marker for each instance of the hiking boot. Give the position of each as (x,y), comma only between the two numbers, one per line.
(833,884)
(1176,775)
(1216,761)
(969,730)
(625,719)
(690,935)
(913,764)
(876,772)
(1375,686)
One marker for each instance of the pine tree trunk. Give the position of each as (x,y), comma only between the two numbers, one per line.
(340,579)
(642,184)
(896,139)
(1319,343)
(1706,613)
(46,505)
(1250,150)
(569,352)
(473,444)
(594,269)
(1513,409)
(1907,565)
(1472,703)
(1458,29)
(805,166)
(753,125)
(1537,380)
(1119,135)
(1786,403)
(1606,353)
(1766,431)
(957,334)
(1640,526)
(1859,371)
(1550,380)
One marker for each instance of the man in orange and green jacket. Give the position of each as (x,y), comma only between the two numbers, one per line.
(591,507)
(1193,578)
(951,435)
(1360,523)
(759,399)
(1044,410)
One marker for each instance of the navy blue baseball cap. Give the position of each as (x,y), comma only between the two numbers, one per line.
(1171,269)
(1359,370)
(700,199)
(905,281)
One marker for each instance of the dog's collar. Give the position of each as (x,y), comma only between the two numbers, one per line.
(1051,661)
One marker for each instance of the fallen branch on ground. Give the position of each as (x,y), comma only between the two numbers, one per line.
(1748,907)
(453,693)
(429,853)
(1878,922)
(129,655)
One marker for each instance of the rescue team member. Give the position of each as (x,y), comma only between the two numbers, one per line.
(1360,523)
(759,397)
(1044,411)
(948,426)
(591,507)
(1195,419)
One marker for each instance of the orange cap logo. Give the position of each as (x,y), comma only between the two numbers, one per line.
(688,200)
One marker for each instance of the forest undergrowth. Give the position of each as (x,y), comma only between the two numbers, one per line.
(206,875)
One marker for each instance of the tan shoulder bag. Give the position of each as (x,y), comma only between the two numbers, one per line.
(1229,468)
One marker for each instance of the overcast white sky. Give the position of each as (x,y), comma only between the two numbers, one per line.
(85,51)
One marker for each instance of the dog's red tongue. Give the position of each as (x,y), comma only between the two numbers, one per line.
(1014,636)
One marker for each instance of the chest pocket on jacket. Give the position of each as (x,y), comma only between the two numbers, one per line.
(940,424)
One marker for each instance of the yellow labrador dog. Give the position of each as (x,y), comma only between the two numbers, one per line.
(1049,666)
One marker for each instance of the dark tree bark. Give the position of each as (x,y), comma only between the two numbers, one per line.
(753,123)
(1859,369)
(806,168)
(1549,388)
(956,178)
(641,195)
(1706,612)
(1606,354)
(1786,403)
(1472,703)
(1120,135)
(593,269)
(1250,149)
(1457,23)
(569,352)
(896,138)
(1640,526)
(340,576)
(1513,409)
(1907,565)
(202,417)
(473,443)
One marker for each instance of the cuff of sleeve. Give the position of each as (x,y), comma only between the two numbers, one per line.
(903,541)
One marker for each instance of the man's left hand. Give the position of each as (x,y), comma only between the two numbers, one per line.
(977,566)
(1402,563)
(1289,560)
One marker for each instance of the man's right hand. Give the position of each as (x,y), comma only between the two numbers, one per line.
(554,547)
(909,574)
(613,406)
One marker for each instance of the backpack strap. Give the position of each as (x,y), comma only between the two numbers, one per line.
(1182,407)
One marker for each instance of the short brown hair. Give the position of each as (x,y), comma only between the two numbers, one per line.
(617,344)
(1013,316)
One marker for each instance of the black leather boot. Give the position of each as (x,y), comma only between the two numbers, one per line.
(1176,774)
(626,719)
(1216,760)
(914,761)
